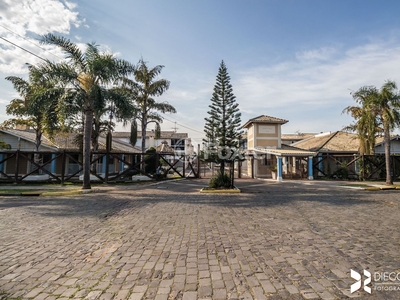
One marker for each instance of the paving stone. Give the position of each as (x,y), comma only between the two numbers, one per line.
(189,296)
(205,291)
(219,294)
(33,293)
(151,245)
(122,294)
(291,289)
(259,293)
(93,295)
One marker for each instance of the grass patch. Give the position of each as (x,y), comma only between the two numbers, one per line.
(14,191)
(62,193)
(220,190)
(356,185)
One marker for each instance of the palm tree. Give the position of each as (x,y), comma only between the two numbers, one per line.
(143,90)
(366,125)
(36,109)
(379,112)
(85,76)
(115,103)
(386,106)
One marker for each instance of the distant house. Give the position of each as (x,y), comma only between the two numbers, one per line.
(290,138)
(334,149)
(180,142)
(394,146)
(24,140)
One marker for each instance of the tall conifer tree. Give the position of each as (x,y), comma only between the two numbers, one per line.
(222,128)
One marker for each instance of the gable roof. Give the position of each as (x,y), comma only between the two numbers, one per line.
(382,142)
(264,119)
(30,136)
(65,141)
(296,136)
(164,148)
(337,141)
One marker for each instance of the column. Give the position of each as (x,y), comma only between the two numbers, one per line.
(53,164)
(320,164)
(279,169)
(294,165)
(284,162)
(103,164)
(2,164)
(310,168)
(121,164)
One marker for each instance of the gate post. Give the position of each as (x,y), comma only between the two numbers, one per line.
(184,166)
(107,166)
(63,167)
(198,161)
(252,167)
(158,169)
(16,166)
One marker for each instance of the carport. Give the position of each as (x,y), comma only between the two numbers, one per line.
(286,158)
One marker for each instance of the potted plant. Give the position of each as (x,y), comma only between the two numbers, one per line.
(273,170)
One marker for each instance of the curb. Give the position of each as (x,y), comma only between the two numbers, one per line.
(230,191)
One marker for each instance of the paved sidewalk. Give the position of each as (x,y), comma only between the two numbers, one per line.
(167,241)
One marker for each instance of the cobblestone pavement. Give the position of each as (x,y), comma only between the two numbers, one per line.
(273,241)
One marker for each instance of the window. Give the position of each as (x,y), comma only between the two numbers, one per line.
(178,144)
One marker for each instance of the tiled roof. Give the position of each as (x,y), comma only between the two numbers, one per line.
(65,141)
(30,135)
(265,120)
(164,148)
(296,136)
(380,140)
(338,141)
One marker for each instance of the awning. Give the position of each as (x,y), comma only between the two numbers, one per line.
(284,152)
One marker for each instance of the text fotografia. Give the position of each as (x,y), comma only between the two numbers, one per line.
(382,281)
(386,281)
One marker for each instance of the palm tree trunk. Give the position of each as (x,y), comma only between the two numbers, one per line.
(389,180)
(95,144)
(86,148)
(144,121)
(38,142)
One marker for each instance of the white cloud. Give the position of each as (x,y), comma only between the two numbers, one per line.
(317,84)
(38,16)
(323,53)
(20,20)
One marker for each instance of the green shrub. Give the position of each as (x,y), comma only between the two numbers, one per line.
(221,180)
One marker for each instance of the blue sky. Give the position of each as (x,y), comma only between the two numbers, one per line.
(296,60)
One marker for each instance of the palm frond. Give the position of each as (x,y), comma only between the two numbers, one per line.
(20,85)
(71,49)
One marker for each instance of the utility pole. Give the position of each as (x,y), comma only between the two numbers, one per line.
(175,128)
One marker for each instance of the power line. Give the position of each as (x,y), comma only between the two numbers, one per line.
(30,41)
(183,125)
(23,48)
